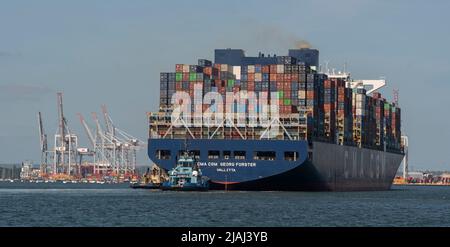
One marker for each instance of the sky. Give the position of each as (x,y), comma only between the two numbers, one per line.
(112,51)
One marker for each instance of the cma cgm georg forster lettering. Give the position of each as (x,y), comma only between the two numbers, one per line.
(276,123)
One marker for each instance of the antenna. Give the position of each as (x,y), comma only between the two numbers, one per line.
(327,70)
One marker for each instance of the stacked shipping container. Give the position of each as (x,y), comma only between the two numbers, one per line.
(335,113)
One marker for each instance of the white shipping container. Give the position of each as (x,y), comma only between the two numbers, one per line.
(185,68)
(301,94)
(82,150)
(361,97)
(360,112)
(251,69)
(224,67)
(360,102)
(237,72)
(280,68)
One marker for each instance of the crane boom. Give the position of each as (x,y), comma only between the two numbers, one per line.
(42,135)
(97,123)
(108,123)
(62,126)
(86,128)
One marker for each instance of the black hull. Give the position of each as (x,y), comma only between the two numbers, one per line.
(145,186)
(320,167)
(332,168)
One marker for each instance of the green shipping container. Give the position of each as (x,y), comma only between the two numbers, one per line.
(230,83)
(192,76)
(287,102)
(387,106)
(179,76)
(280,94)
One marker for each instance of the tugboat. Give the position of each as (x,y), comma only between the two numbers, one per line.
(151,180)
(186,176)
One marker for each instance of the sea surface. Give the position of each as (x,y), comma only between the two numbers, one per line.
(27,204)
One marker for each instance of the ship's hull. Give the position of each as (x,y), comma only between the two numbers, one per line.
(322,167)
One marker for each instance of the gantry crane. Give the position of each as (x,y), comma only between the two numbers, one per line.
(43,146)
(114,150)
(66,144)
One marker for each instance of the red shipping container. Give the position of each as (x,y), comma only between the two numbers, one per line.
(287,94)
(340,83)
(328,107)
(251,77)
(207,70)
(178,68)
(215,72)
(376,95)
(294,77)
(273,69)
(280,77)
(265,69)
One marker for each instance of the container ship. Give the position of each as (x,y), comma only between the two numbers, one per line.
(273,122)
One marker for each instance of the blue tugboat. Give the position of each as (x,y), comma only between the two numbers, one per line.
(186,176)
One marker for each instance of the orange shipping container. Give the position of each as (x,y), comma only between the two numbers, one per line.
(273,77)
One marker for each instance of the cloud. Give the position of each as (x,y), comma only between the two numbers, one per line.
(6,54)
(23,92)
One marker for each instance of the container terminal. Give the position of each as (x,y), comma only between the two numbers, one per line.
(110,157)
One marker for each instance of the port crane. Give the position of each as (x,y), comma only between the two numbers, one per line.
(405,159)
(114,150)
(65,144)
(45,153)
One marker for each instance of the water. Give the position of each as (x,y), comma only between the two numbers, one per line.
(24,204)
